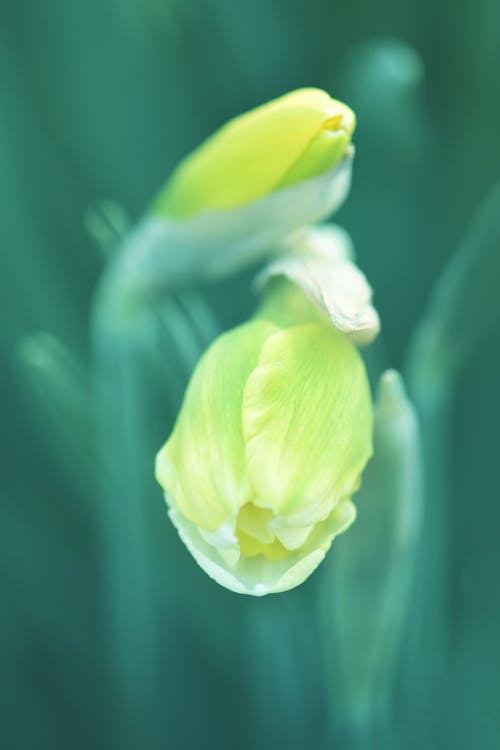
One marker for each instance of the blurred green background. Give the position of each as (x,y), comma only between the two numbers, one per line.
(110,635)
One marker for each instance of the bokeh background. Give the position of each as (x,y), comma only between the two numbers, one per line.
(110,636)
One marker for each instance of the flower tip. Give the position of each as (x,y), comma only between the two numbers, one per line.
(344,121)
(391,393)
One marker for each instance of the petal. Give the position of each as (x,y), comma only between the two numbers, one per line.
(225,540)
(202,465)
(254,522)
(257,575)
(307,422)
(318,260)
(292,537)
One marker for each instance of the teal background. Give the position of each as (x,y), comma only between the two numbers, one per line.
(100,99)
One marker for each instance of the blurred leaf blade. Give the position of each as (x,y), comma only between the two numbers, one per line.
(366,588)
(59,388)
(463,307)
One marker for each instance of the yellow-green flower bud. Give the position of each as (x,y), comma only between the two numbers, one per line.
(269,446)
(291,139)
(260,178)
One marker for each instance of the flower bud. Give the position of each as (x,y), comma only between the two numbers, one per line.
(297,137)
(260,178)
(269,446)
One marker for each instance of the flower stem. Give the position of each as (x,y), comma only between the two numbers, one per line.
(143,352)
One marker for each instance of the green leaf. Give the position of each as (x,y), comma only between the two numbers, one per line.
(366,585)
(464,304)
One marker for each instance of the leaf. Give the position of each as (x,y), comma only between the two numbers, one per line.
(464,305)
(369,575)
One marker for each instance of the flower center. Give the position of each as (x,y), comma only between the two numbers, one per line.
(254,535)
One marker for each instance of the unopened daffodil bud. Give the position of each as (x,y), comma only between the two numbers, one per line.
(270,444)
(260,178)
(294,138)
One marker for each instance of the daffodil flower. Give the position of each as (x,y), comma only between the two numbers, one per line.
(276,429)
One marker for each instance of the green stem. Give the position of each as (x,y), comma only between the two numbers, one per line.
(132,338)
(127,561)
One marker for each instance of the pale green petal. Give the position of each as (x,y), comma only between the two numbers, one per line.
(254,522)
(202,465)
(307,422)
(257,575)
(292,537)
(298,136)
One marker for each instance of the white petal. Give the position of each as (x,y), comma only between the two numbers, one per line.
(318,260)
(256,575)
(225,541)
